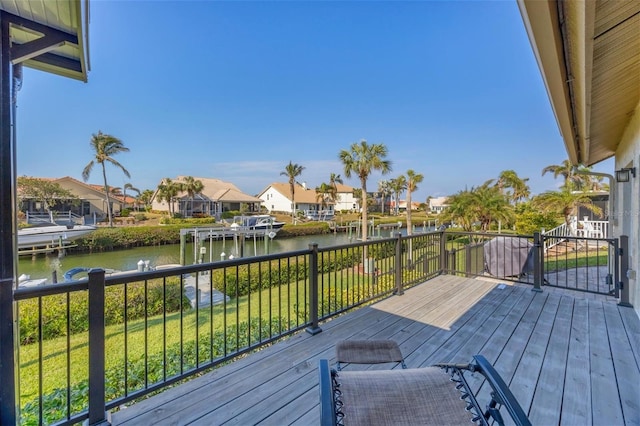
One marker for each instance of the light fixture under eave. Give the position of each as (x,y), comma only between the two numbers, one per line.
(624,175)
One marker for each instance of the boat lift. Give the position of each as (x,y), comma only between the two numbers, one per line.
(236,233)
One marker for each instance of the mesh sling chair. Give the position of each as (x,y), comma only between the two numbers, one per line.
(433,395)
(368,352)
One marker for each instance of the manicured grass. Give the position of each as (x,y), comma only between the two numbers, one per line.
(275,308)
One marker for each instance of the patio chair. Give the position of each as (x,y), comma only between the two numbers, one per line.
(432,395)
(368,352)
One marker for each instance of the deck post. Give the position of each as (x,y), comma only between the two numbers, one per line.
(538,258)
(443,252)
(624,270)
(97,414)
(8,410)
(398,275)
(314,298)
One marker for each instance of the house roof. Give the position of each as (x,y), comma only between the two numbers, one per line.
(589,56)
(50,36)
(301,194)
(344,188)
(219,190)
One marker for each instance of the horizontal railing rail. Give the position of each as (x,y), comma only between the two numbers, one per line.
(94,345)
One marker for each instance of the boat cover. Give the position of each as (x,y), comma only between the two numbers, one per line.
(508,256)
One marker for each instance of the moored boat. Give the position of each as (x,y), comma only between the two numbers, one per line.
(51,235)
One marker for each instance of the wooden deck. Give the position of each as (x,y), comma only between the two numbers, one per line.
(569,357)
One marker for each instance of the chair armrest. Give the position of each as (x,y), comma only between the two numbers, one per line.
(327,402)
(501,392)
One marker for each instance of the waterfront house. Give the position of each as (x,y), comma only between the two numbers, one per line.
(345,200)
(90,200)
(589,56)
(276,197)
(438,204)
(216,197)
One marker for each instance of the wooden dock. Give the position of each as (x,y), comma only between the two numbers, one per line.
(569,357)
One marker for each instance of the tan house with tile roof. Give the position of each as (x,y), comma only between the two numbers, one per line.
(90,202)
(217,196)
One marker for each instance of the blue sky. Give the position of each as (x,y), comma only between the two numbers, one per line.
(236,90)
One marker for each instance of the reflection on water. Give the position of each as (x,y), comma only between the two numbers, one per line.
(125,260)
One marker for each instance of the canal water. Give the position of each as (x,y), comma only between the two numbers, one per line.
(42,266)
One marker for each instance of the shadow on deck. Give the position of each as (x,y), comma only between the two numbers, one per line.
(568,357)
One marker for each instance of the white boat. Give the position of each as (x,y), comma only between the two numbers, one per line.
(51,235)
(258,222)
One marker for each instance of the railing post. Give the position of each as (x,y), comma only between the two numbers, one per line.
(624,271)
(443,252)
(615,280)
(97,414)
(467,260)
(314,298)
(538,259)
(398,275)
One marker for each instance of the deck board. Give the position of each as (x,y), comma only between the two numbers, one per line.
(568,356)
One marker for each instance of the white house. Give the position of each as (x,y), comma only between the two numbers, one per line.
(345,199)
(277,198)
(438,204)
(589,56)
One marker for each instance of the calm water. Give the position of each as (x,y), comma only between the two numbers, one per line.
(124,260)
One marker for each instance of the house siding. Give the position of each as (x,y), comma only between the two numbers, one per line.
(627,204)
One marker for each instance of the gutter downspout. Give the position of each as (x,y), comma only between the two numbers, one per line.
(570,78)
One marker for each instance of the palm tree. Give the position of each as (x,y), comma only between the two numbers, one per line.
(413,179)
(519,188)
(565,202)
(362,159)
(145,198)
(324,193)
(132,188)
(167,191)
(192,187)
(384,189)
(483,204)
(105,147)
(459,210)
(398,185)
(334,180)
(566,170)
(490,205)
(292,171)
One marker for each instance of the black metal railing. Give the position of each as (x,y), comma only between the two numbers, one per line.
(90,346)
(577,263)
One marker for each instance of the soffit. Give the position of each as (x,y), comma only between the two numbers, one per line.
(615,82)
(49,35)
(589,56)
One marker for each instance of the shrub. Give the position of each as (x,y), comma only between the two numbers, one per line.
(140,217)
(125,212)
(54,308)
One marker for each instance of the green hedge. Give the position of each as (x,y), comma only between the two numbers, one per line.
(313,228)
(104,239)
(54,308)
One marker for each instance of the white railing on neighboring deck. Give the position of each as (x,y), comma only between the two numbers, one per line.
(583,228)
